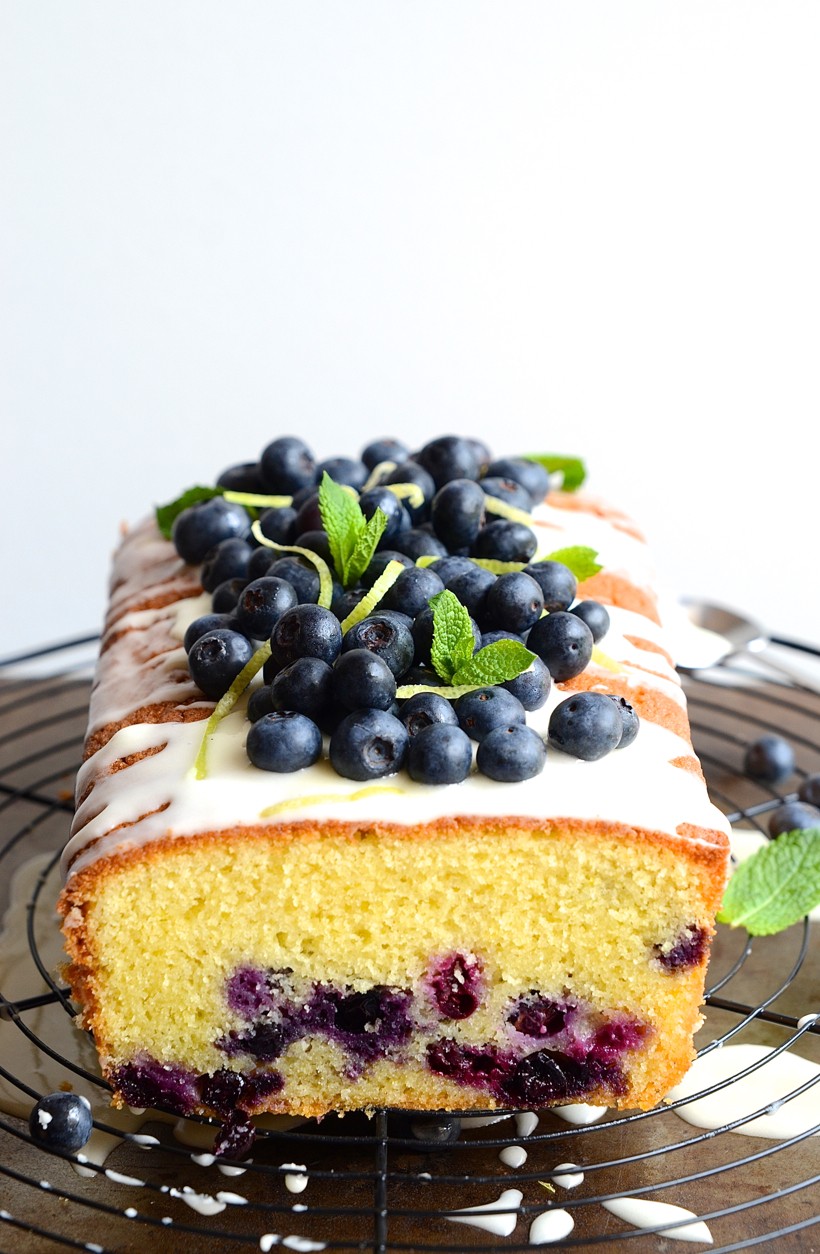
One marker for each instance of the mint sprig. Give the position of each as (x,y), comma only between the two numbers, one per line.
(572,469)
(777,886)
(452,649)
(580,559)
(352,537)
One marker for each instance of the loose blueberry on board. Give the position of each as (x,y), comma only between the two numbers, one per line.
(199,528)
(216,659)
(363,679)
(368,744)
(770,760)
(809,790)
(61,1121)
(792,816)
(484,709)
(596,617)
(514,602)
(306,631)
(564,644)
(261,604)
(587,725)
(286,465)
(510,754)
(630,723)
(385,450)
(424,710)
(557,583)
(505,541)
(388,638)
(284,741)
(439,754)
(457,513)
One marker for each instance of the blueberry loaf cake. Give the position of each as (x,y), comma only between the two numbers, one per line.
(388,798)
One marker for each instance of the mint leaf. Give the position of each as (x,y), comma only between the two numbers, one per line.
(572,468)
(453,641)
(777,886)
(495,664)
(365,547)
(580,560)
(166,514)
(344,522)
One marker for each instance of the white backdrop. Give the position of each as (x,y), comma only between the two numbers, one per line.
(580,227)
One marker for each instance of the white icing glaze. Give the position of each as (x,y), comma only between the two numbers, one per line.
(513,1156)
(642,1213)
(567,1175)
(613,789)
(549,1226)
(526,1123)
(580,1113)
(498,1217)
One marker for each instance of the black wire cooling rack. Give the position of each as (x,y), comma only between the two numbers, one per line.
(388,1182)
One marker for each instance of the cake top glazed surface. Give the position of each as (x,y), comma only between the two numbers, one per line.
(147,713)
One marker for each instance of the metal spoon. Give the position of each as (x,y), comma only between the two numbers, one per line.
(715,633)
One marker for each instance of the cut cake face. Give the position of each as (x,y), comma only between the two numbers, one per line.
(299,940)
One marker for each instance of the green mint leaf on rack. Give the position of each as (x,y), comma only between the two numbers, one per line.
(167,514)
(453,641)
(777,886)
(495,664)
(580,560)
(352,537)
(572,468)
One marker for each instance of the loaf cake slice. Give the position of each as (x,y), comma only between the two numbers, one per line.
(304,942)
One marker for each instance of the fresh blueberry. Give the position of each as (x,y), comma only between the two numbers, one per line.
(226,595)
(244,477)
(363,679)
(630,723)
(201,626)
(260,702)
(531,475)
(287,464)
(277,524)
(308,516)
(505,541)
(557,583)
(368,744)
(564,644)
(216,659)
(471,588)
(770,759)
(346,601)
(484,709)
(596,617)
(417,542)
(508,491)
(511,753)
(586,725)
(532,686)
(306,631)
(305,686)
(514,603)
(412,591)
(809,790)
(481,453)
(426,709)
(449,457)
(490,637)
(227,560)
(284,741)
(260,562)
(439,754)
(423,636)
(301,574)
(398,519)
(386,450)
(318,542)
(792,816)
(343,470)
(61,1121)
(201,527)
(457,513)
(411,472)
(448,567)
(379,563)
(389,639)
(261,604)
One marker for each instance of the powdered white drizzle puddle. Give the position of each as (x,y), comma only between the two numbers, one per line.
(295,1181)
(552,1225)
(526,1123)
(304,1244)
(567,1175)
(498,1217)
(646,1214)
(768,1086)
(513,1156)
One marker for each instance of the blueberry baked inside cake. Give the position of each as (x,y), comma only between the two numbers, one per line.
(388,799)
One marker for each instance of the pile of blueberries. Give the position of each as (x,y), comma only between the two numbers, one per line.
(320,682)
